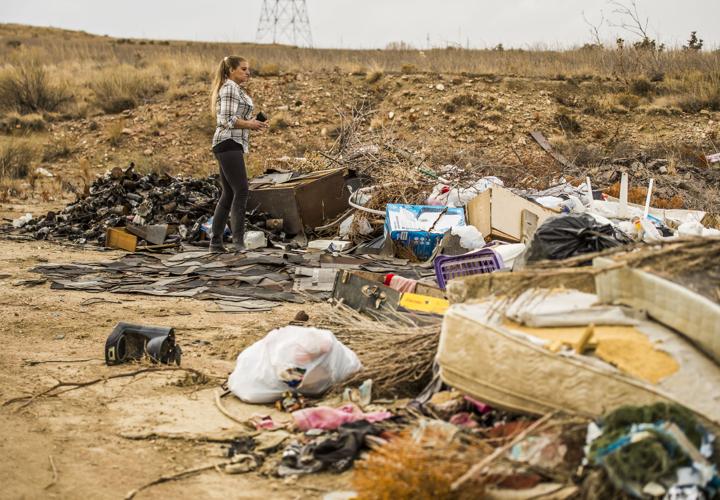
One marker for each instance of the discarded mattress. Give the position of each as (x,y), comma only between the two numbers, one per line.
(676,306)
(511,366)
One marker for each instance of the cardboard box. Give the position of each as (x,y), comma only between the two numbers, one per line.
(498,213)
(308,200)
(420,228)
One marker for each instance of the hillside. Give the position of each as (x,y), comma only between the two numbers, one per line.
(478,121)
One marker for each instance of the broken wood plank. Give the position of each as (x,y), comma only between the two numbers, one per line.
(543,142)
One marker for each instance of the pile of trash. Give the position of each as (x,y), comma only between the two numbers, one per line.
(520,323)
(123,196)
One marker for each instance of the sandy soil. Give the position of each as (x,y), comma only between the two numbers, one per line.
(82,430)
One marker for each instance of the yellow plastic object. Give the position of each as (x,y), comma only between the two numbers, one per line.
(119,238)
(423,303)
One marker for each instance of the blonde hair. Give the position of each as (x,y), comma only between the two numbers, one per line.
(222,73)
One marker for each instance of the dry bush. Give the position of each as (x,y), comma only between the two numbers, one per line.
(119,88)
(16,158)
(269,69)
(374,73)
(14,121)
(405,469)
(57,149)
(641,86)
(114,132)
(280,121)
(27,87)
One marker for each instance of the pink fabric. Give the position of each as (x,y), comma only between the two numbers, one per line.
(403,285)
(482,408)
(264,422)
(324,417)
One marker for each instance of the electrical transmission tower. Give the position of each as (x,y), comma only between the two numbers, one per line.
(284,21)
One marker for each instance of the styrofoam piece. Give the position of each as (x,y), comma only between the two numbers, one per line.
(691,314)
(337,245)
(482,357)
(255,239)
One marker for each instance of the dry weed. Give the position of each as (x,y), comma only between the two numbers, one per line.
(119,88)
(114,132)
(17,157)
(405,469)
(27,87)
(57,149)
(280,121)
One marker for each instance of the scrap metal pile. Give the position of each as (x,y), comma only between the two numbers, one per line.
(123,196)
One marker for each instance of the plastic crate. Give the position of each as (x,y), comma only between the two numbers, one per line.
(482,261)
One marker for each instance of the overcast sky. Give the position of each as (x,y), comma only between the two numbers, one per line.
(373,23)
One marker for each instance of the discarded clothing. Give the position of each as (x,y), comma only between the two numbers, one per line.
(335,452)
(403,285)
(323,417)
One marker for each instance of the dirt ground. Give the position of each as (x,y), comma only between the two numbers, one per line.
(82,431)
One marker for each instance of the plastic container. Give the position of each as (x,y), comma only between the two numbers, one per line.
(255,239)
(482,261)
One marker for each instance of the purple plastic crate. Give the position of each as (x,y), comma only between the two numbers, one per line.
(482,261)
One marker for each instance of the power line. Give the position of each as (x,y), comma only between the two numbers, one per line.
(284,21)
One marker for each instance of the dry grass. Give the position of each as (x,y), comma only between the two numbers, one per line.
(17,156)
(15,122)
(396,354)
(124,72)
(280,121)
(119,88)
(408,469)
(26,87)
(114,132)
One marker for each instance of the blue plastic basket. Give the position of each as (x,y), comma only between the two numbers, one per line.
(481,261)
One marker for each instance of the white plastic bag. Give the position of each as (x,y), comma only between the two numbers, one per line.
(288,355)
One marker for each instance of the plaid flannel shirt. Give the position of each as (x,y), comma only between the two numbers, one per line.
(232,103)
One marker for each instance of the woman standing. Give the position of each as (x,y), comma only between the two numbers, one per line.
(233,108)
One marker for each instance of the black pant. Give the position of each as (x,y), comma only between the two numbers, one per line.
(233,199)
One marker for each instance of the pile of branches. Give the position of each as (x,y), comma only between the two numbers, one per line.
(396,353)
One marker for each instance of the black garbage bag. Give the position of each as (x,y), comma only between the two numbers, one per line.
(568,235)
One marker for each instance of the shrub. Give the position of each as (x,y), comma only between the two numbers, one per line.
(16,158)
(266,70)
(114,132)
(15,121)
(125,87)
(26,87)
(59,148)
(567,123)
(374,76)
(641,86)
(280,121)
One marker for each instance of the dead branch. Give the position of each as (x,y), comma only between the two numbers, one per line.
(478,467)
(175,477)
(226,413)
(54,471)
(71,386)
(195,438)
(33,362)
